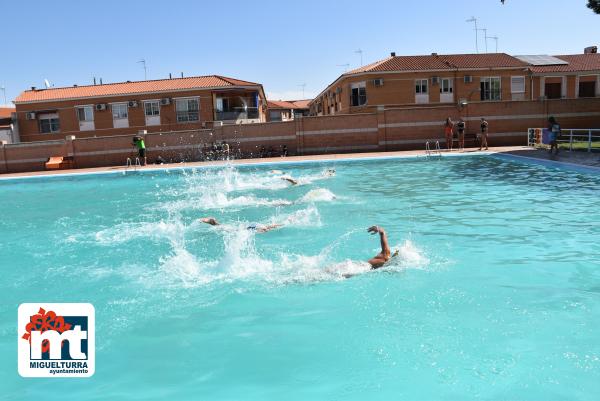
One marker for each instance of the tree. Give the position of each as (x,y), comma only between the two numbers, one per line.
(594,5)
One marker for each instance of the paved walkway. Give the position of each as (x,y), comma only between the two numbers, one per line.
(581,158)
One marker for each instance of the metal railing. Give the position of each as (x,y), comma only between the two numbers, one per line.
(577,138)
(437,150)
(241,114)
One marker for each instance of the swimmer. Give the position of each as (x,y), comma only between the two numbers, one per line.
(276,172)
(259,228)
(290,180)
(380,259)
(330,172)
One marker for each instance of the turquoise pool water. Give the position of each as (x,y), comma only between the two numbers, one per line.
(495,294)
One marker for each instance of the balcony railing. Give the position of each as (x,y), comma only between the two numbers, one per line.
(238,114)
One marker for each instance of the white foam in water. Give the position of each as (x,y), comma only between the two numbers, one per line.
(409,257)
(173,230)
(318,195)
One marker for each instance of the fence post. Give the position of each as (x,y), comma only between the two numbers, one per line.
(571,141)
(589,140)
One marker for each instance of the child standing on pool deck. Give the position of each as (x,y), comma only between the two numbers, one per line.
(554,134)
(484,134)
(449,133)
(138,142)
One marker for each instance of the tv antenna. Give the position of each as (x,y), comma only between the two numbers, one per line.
(360,52)
(143,62)
(484,30)
(473,19)
(346,66)
(3,89)
(303,86)
(496,39)
(47,83)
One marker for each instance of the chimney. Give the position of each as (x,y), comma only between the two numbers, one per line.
(33,88)
(74,85)
(393,54)
(170,77)
(100,81)
(434,54)
(181,74)
(590,50)
(94,80)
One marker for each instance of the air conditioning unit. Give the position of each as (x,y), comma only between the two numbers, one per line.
(132,103)
(378,82)
(165,101)
(30,116)
(435,80)
(101,107)
(468,79)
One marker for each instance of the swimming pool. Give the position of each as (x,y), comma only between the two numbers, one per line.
(495,293)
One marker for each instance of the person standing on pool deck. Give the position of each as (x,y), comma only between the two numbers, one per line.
(554,128)
(483,139)
(449,133)
(380,259)
(461,134)
(138,142)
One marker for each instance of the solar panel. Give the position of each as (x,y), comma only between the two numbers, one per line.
(542,59)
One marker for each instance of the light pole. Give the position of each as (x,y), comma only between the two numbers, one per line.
(473,19)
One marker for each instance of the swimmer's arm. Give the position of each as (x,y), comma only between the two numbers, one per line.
(268,227)
(290,180)
(385,248)
(210,220)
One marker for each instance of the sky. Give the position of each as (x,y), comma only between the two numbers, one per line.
(281,45)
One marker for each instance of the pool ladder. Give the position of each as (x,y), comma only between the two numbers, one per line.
(430,152)
(134,165)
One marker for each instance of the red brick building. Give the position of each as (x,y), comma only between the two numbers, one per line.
(127,107)
(287,110)
(437,79)
(7,126)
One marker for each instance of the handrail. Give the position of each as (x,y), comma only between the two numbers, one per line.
(586,135)
(437,148)
(427,149)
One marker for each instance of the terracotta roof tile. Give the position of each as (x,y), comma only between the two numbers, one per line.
(5,112)
(441,62)
(577,62)
(128,88)
(288,104)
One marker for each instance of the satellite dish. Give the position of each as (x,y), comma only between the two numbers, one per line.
(47,83)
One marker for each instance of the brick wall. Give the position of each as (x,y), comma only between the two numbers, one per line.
(385,129)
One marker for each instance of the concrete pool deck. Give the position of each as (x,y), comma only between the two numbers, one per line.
(577,158)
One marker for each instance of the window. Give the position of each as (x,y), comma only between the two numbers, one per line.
(119,111)
(152,108)
(587,89)
(421,87)
(490,88)
(85,113)
(517,84)
(446,85)
(49,123)
(358,95)
(187,110)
